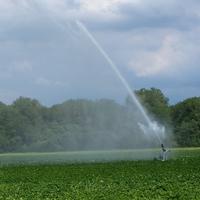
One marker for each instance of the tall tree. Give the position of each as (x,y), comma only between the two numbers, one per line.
(186,120)
(155,103)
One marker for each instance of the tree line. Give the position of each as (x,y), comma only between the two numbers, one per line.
(83,124)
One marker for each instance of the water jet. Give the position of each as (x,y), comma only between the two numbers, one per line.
(149,127)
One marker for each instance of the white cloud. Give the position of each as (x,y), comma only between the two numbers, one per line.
(42,81)
(13,8)
(22,67)
(120,13)
(8,71)
(156,38)
(91,10)
(176,50)
(103,6)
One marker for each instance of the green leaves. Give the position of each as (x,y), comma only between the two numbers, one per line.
(156,103)
(186,120)
(82,124)
(174,179)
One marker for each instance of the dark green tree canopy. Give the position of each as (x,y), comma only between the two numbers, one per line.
(186,121)
(155,102)
(82,124)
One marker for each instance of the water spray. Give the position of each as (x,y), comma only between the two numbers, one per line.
(151,126)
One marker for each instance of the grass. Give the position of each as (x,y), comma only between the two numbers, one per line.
(177,178)
(77,156)
(92,156)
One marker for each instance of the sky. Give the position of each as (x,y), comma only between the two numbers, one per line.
(45,55)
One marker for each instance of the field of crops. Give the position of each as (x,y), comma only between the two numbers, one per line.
(177,178)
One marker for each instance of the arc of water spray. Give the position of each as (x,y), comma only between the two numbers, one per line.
(115,69)
(117,72)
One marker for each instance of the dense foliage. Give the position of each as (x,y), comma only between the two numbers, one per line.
(183,118)
(155,103)
(174,179)
(26,125)
(186,120)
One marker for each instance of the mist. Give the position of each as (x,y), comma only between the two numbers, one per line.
(76,102)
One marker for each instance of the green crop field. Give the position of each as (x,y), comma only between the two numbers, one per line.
(22,178)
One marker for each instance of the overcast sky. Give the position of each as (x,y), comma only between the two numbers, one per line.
(44,54)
